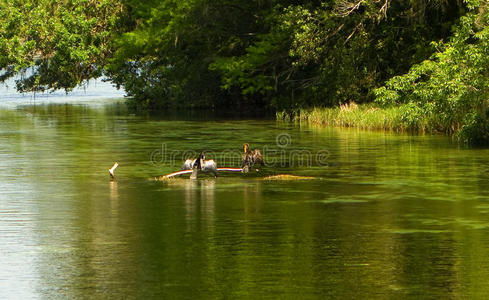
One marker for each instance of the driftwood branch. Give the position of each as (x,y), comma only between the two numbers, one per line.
(345,8)
(112,170)
(353,32)
(383,9)
(183,172)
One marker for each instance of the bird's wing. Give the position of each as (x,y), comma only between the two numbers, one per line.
(257,157)
(187,165)
(209,166)
(243,160)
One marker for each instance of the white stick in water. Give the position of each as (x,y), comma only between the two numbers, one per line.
(111,170)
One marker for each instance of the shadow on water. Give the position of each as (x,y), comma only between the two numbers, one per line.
(387,214)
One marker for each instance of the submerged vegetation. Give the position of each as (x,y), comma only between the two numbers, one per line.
(411,65)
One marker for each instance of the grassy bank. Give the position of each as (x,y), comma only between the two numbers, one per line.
(471,128)
(401,118)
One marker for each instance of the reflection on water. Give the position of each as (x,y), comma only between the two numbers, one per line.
(389,215)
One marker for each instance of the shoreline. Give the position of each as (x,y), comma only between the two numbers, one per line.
(402,118)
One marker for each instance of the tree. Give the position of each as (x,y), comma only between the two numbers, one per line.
(56,44)
(222,53)
(452,87)
(164,60)
(328,53)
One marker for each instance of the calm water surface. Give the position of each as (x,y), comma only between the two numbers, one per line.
(386,215)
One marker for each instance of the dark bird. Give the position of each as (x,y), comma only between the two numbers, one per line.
(200,164)
(250,158)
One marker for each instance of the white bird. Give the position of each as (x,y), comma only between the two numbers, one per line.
(200,163)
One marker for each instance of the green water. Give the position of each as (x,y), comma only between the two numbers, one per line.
(385,215)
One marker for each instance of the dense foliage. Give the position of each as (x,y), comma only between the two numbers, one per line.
(430,56)
(56,44)
(273,53)
(452,88)
(165,58)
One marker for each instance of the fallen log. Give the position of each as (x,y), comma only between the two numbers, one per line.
(230,169)
(183,172)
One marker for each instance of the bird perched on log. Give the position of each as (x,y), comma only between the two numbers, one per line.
(250,158)
(200,164)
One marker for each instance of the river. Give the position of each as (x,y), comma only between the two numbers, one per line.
(375,215)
